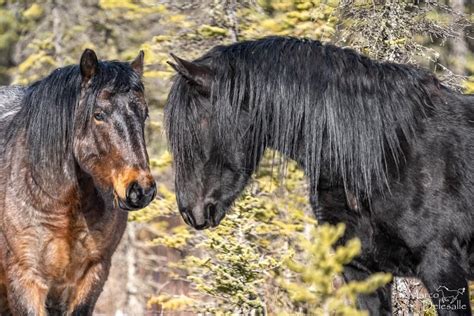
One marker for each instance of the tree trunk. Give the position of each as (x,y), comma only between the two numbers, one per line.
(458,45)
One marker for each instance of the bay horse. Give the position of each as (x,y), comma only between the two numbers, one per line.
(73,163)
(387,149)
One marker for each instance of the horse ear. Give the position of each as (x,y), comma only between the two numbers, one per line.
(89,64)
(199,75)
(137,63)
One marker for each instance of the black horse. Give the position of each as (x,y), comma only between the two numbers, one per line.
(387,149)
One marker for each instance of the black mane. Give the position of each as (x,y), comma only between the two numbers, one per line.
(48,115)
(353,114)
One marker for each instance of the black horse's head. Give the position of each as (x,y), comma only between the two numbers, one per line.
(321,105)
(213,156)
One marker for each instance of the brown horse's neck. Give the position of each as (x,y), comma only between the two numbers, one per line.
(55,192)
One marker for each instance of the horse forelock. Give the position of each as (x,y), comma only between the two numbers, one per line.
(182,126)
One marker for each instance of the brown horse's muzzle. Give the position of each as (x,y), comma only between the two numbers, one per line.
(134,188)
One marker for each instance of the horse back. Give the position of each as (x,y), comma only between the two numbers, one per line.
(431,198)
(10,103)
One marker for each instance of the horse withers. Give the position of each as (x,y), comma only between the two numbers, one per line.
(73,163)
(386,148)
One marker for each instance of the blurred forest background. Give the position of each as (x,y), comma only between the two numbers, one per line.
(269,256)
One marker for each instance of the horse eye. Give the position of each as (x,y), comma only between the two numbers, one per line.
(99,116)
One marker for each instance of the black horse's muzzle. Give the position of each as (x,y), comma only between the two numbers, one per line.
(202,217)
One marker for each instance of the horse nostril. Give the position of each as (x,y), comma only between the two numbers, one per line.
(134,192)
(138,197)
(214,214)
(186,217)
(211,211)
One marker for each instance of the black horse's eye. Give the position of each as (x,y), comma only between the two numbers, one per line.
(99,116)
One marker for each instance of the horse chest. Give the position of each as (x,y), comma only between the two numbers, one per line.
(66,258)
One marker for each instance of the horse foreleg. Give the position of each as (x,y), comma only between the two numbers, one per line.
(377,303)
(26,292)
(439,271)
(88,289)
(4,308)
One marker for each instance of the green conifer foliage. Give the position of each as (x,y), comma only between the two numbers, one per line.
(269,256)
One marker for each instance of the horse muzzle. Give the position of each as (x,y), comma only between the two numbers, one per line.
(133,188)
(201,217)
(137,196)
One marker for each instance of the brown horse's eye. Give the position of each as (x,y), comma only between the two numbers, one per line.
(99,116)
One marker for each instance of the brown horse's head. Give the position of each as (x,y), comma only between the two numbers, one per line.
(109,143)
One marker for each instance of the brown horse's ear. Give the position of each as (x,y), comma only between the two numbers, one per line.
(89,65)
(137,63)
(199,75)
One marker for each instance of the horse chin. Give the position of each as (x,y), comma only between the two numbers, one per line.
(123,206)
(120,204)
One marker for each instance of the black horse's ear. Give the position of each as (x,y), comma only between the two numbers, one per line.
(89,64)
(200,75)
(137,63)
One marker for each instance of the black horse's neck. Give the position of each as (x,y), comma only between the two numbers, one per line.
(324,106)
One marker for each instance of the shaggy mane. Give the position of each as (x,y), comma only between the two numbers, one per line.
(342,111)
(48,115)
